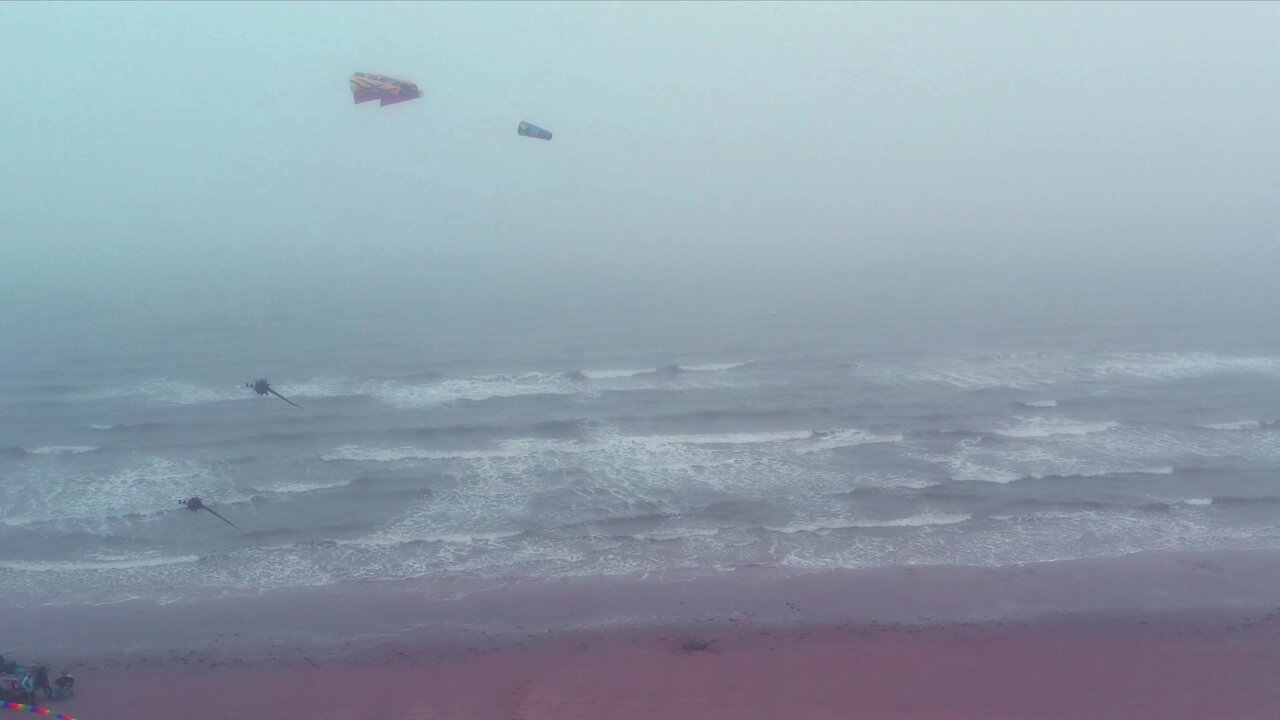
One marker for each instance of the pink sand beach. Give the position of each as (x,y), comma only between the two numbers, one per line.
(1192,636)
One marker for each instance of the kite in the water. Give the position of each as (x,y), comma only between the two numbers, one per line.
(194,504)
(262,387)
(33,709)
(533,131)
(367,86)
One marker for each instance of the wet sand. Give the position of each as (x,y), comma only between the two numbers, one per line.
(1193,665)
(1162,636)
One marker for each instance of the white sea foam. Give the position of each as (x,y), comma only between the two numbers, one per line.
(1162,470)
(91,565)
(1173,366)
(847,437)
(406,534)
(731,438)
(677,534)
(472,537)
(317,388)
(615,374)
(485,387)
(920,520)
(610,444)
(1070,455)
(508,449)
(82,495)
(63,450)
(1043,427)
(818,441)
(301,486)
(713,367)
(1238,425)
(906,482)
(966,470)
(601,477)
(1041,403)
(1033,370)
(391,539)
(175,392)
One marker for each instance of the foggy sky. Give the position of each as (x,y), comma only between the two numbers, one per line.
(183,157)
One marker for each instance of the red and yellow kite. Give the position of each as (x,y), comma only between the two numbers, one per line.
(367,86)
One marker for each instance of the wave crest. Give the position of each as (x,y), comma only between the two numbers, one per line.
(1043,427)
(63,450)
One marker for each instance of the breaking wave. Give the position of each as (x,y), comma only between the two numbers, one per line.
(1026,371)
(1238,425)
(1042,427)
(713,367)
(475,389)
(63,450)
(921,520)
(612,374)
(802,441)
(92,565)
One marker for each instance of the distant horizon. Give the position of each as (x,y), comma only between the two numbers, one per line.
(1052,160)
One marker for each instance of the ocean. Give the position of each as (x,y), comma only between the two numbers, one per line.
(511,449)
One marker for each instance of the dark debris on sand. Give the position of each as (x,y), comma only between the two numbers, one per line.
(692,646)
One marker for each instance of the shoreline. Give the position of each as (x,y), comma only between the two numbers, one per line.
(443,610)
(1170,635)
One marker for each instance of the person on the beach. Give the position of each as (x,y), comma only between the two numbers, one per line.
(41,673)
(65,686)
(28,686)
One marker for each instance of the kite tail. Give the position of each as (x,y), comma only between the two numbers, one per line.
(215,514)
(273,392)
(33,709)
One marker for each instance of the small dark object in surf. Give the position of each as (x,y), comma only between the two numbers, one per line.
(693,646)
(262,387)
(195,504)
